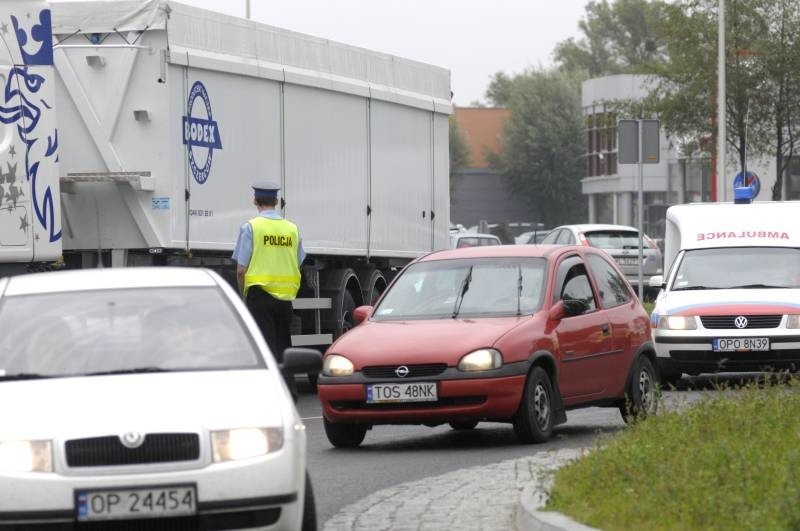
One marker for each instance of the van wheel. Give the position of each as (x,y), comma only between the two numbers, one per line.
(463,425)
(640,398)
(309,507)
(344,435)
(533,421)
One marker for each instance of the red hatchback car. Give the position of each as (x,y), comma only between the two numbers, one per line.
(512,333)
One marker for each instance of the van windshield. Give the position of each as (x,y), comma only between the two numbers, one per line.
(739,268)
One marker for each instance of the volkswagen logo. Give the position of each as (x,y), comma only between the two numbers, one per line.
(131,439)
(740,322)
(402,371)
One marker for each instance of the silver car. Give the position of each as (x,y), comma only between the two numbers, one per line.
(619,241)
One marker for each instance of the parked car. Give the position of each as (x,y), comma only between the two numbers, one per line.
(472,239)
(141,393)
(514,334)
(619,241)
(532,237)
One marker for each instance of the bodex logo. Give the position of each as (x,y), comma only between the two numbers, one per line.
(200,133)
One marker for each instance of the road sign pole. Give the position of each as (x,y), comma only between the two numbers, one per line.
(640,185)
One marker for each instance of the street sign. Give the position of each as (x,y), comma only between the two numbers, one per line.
(651,136)
(628,145)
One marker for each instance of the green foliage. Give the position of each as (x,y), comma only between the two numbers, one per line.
(543,145)
(499,91)
(731,461)
(459,153)
(619,37)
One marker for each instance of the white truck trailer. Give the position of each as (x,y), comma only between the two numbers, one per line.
(139,144)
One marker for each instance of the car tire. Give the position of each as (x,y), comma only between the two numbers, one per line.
(533,421)
(309,507)
(463,425)
(344,435)
(640,397)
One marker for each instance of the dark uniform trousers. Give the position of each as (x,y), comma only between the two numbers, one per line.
(274,318)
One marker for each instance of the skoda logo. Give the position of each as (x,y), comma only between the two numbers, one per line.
(740,322)
(131,439)
(402,371)
(200,133)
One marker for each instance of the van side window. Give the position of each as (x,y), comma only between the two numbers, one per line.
(613,289)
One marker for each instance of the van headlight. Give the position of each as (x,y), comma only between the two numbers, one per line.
(793,321)
(481,360)
(244,443)
(335,365)
(677,322)
(26,456)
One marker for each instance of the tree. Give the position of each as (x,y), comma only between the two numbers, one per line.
(499,91)
(619,37)
(543,144)
(459,153)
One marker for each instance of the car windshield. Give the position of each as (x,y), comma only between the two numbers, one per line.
(436,289)
(613,239)
(122,330)
(739,267)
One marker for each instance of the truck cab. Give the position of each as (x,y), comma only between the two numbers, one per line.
(730,300)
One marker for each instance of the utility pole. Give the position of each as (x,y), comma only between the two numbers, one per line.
(247,9)
(722,188)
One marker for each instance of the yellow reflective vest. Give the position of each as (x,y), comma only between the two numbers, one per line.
(273,263)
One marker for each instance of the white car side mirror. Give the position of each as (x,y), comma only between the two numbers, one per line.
(657,281)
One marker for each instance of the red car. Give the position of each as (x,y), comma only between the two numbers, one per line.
(512,333)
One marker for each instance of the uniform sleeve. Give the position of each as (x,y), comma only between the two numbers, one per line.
(301,253)
(244,245)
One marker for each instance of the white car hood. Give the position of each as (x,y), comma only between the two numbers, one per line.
(105,405)
(730,302)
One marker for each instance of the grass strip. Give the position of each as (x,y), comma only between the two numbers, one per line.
(731,461)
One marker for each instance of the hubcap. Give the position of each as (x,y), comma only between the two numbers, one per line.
(646,390)
(541,406)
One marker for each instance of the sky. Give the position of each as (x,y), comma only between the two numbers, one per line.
(472,38)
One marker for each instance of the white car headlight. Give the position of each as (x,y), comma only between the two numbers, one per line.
(244,443)
(481,360)
(335,365)
(26,456)
(793,321)
(677,322)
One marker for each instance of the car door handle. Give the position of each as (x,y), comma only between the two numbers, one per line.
(606,330)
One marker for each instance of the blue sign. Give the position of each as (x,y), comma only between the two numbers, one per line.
(746,187)
(200,133)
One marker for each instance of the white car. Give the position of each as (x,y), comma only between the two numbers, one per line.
(142,393)
(472,239)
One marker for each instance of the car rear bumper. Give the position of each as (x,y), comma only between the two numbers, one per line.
(464,399)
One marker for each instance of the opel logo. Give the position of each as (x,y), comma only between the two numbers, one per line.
(402,371)
(131,439)
(740,322)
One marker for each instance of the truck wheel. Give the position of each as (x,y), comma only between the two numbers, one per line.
(347,321)
(344,435)
(309,507)
(533,421)
(640,398)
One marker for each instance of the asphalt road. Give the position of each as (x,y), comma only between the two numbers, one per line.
(396,454)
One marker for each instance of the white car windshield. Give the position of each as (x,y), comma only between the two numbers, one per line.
(122,330)
(739,267)
(486,287)
(613,239)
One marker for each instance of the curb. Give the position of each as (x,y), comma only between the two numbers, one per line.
(532,497)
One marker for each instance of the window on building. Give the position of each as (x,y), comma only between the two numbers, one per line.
(601,141)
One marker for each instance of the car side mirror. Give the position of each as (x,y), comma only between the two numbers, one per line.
(298,360)
(657,281)
(574,307)
(362,313)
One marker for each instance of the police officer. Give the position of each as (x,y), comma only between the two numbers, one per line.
(268,254)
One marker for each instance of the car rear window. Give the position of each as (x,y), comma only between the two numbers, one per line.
(75,333)
(613,239)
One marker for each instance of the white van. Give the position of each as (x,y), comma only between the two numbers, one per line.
(730,300)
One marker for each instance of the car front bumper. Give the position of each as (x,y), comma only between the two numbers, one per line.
(491,398)
(692,351)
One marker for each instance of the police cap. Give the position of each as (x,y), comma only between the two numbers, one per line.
(266,189)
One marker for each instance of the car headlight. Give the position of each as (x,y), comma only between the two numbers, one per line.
(677,322)
(244,443)
(481,360)
(26,456)
(793,321)
(335,365)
